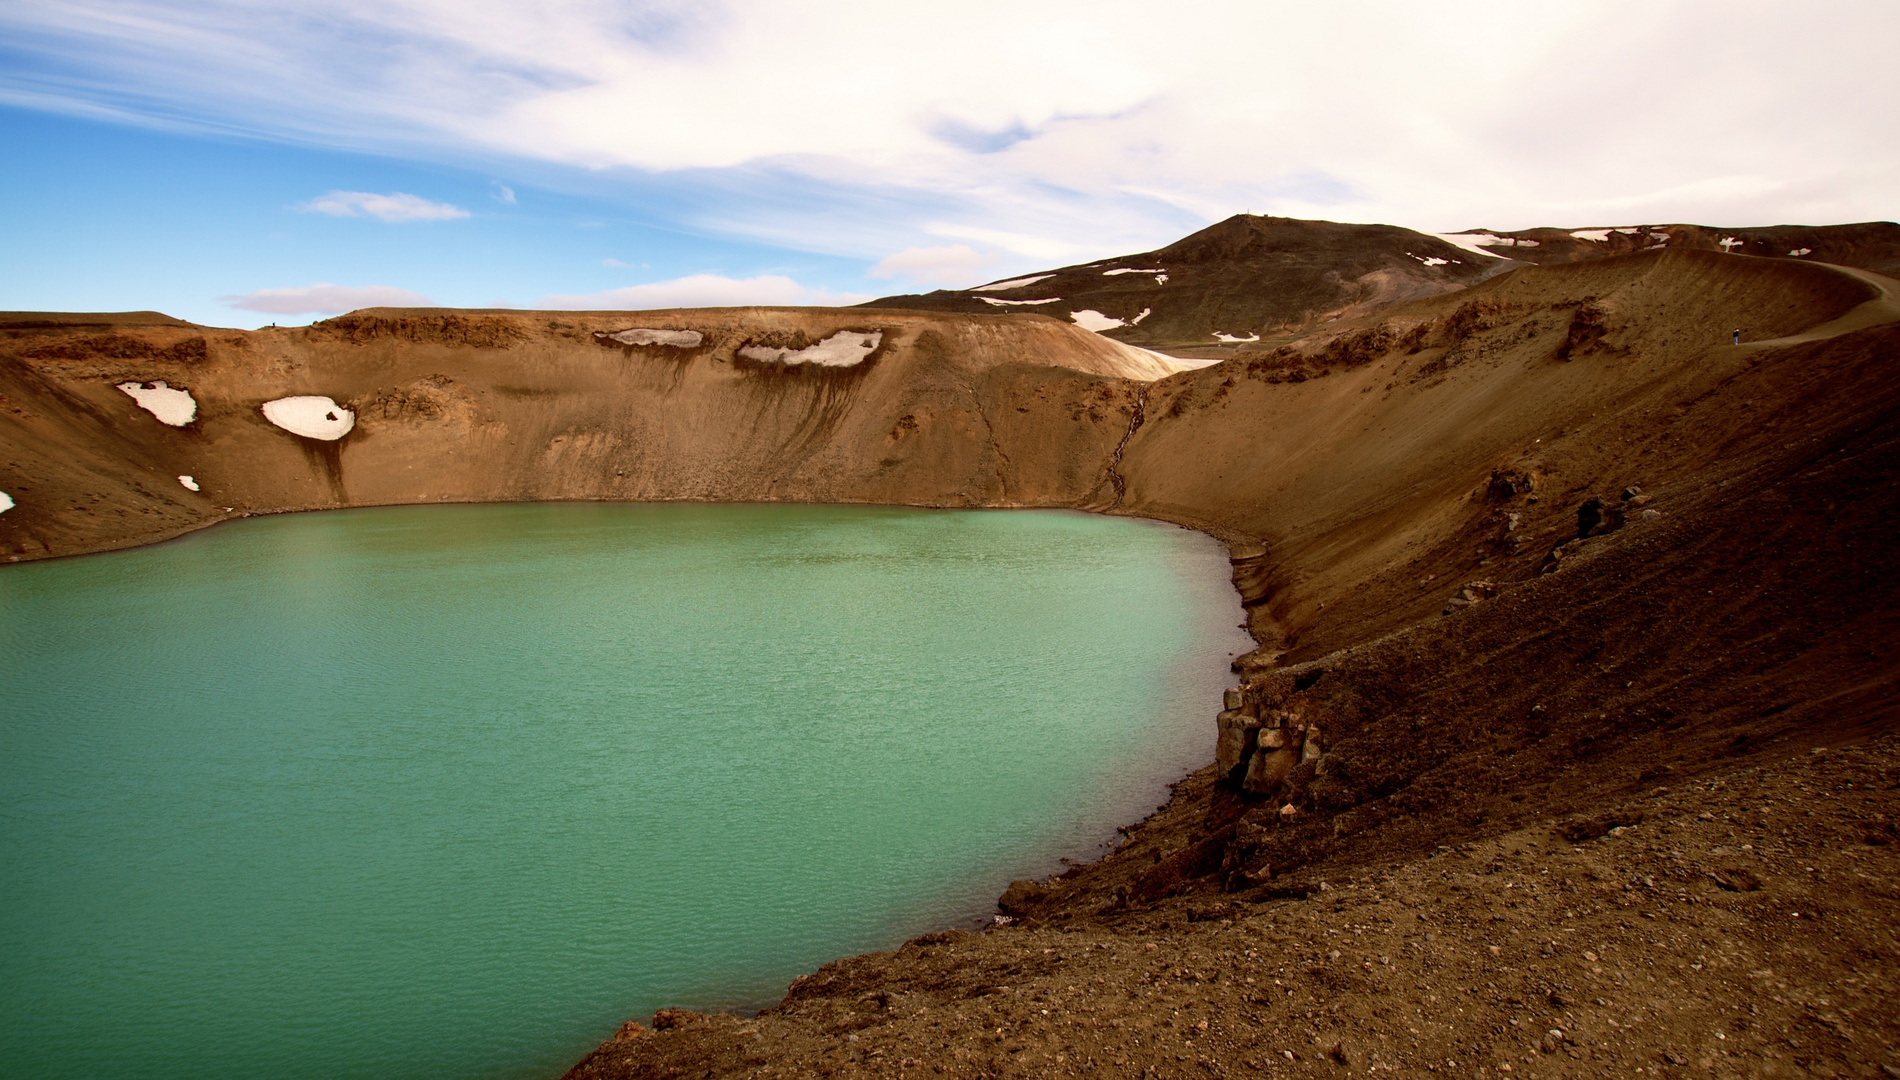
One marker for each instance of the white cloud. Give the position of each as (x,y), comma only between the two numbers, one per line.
(502,193)
(324,299)
(615,263)
(1087,129)
(953,266)
(707,290)
(395,208)
(1036,247)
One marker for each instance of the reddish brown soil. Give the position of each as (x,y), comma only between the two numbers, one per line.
(1281,277)
(1715,690)
(1743,926)
(1242,276)
(1483,692)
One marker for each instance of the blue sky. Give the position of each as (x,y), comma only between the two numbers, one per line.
(103,216)
(235,163)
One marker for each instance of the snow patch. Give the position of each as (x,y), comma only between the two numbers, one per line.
(1470,241)
(1600,236)
(1090,319)
(1430,260)
(1136,321)
(1012,283)
(174,407)
(678,339)
(6,502)
(1798,252)
(311,416)
(1161,279)
(1016,303)
(189,483)
(846,348)
(1730,243)
(1194,363)
(1229,339)
(1130,270)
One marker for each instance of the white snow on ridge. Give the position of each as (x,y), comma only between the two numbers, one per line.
(1090,319)
(1730,243)
(1012,283)
(173,407)
(1600,236)
(6,502)
(1229,339)
(1470,241)
(678,339)
(1194,363)
(1130,270)
(311,416)
(1016,303)
(1798,252)
(845,348)
(1431,260)
(1136,321)
(188,482)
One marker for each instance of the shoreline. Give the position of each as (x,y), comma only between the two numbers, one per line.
(1399,497)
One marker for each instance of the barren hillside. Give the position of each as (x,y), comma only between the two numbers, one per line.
(1245,278)
(1251,280)
(1557,590)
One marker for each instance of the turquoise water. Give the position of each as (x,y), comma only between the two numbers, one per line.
(453,791)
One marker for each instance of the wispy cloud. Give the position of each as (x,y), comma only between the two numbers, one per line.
(615,263)
(396,208)
(324,298)
(708,290)
(1084,123)
(503,193)
(954,265)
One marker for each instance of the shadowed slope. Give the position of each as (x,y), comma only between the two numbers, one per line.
(1246,276)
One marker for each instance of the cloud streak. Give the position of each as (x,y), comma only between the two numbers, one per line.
(707,290)
(395,208)
(323,298)
(955,265)
(1086,127)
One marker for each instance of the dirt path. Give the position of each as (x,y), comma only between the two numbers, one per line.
(1878,311)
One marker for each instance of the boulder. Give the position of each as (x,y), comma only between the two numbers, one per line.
(1508,484)
(1232,746)
(1019,898)
(1310,750)
(674,1018)
(1268,767)
(1589,518)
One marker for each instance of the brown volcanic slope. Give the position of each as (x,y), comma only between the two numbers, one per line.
(1261,276)
(1872,245)
(1461,729)
(473,406)
(1244,276)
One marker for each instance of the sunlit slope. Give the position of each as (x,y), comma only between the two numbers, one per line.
(452,406)
(1352,468)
